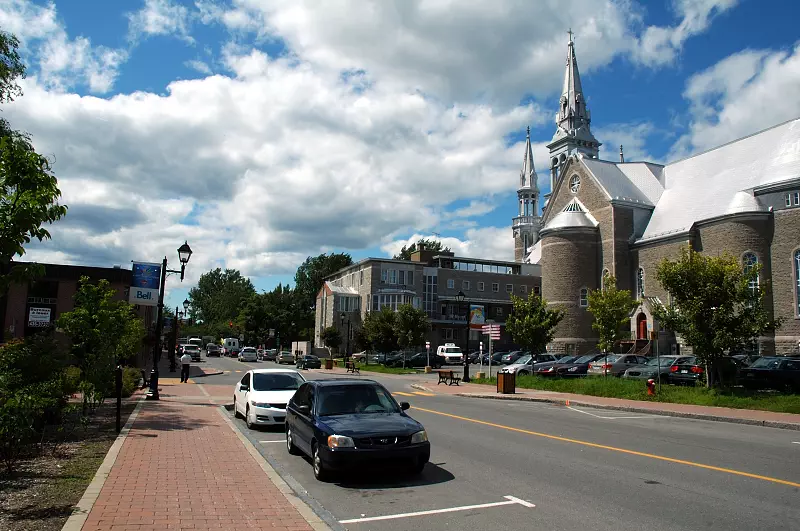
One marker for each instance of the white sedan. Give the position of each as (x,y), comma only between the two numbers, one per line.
(262,394)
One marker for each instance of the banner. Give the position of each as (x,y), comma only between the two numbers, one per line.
(145,283)
(476,316)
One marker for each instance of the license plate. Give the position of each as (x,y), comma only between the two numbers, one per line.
(684,372)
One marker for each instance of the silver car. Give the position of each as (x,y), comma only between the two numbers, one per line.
(615,364)
(650,369)
(285,357)
(528,364)
(248,354)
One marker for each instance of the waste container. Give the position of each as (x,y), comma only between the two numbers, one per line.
(328,363)
(506,383)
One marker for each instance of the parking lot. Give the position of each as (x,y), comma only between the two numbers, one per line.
(519,465)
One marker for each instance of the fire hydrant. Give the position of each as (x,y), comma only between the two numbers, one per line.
(651,387)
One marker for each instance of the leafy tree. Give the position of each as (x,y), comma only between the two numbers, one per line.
(717,305)
(29,190)
(531,323)
(611,308)
(310,275)
(411,325)
(380,329)
(331,337)
(219,295)
(430,245)
(103,331)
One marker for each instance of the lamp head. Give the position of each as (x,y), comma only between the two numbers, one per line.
(184,253)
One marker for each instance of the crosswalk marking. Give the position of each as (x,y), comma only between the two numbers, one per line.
(420,393)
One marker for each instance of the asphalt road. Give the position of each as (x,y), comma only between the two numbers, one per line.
(581,468)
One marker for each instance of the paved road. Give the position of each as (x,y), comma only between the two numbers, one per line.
(583,469)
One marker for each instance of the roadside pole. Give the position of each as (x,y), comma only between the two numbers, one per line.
(654,338)
(490,356)
(428,349)
(118,382)
(480,356)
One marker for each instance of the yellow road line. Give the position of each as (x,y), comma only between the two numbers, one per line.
(420,393)
(615,449)
(402,394)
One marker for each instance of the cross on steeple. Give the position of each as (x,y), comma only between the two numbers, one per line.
(570,33)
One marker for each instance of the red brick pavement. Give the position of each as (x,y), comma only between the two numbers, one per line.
(182,467)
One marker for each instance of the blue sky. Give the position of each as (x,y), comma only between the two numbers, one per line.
(263,132)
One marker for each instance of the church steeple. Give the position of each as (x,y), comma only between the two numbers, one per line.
(573,119)
(527,223)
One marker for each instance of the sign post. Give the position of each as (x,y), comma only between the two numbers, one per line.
(493,331)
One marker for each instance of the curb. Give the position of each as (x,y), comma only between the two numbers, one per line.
(81,510)
(634,409)
(305,510)
(207,374)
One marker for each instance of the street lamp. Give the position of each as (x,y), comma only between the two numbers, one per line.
(460,298)
(184,253)
(347,350)
(186,305)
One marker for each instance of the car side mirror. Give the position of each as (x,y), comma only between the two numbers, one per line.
(304,409)
(244,388)
(405,405)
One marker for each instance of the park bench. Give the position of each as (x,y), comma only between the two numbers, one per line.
(448,377)
(351,367)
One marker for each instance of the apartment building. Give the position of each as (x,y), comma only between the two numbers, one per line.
(431,281)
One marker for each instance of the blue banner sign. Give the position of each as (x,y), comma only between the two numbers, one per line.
(145,284)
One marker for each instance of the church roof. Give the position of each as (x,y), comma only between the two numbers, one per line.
(632,182)
(573,216)
(706,185)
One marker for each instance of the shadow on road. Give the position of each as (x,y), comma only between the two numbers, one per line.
(391,477)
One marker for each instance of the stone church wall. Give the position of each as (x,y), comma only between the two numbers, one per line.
(784,281)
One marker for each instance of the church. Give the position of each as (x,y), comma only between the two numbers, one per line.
(623,218)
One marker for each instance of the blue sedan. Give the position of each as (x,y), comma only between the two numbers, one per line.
(341,423)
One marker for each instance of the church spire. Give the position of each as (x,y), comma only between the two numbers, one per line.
(527,222)
(527,177)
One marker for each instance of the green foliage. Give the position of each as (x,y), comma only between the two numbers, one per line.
(331,337)
(103,331)
(430,245)
(412,325)
(72,380)
(531,323)
(309,276)
(281,310)
(611,308)
(218,296)
(713,306)
(130,380)
(11,68)
(380,329)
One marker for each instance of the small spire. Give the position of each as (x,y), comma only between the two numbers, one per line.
(529,131)
(570,33)
(527,177)
(621,156)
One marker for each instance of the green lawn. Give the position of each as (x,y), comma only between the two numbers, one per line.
(375,367)
(635,390)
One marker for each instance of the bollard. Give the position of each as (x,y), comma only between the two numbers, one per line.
(119,398)
(651,387)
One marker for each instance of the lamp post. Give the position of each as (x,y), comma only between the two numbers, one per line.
(344,318)
(460,298)
(184,253)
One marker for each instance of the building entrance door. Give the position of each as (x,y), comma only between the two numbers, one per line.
(641,326)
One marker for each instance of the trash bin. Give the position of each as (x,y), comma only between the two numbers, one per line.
(329,364)
(506,383)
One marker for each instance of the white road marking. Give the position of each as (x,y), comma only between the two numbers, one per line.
(795,442)
(265,442)
(607,418)
(510,500)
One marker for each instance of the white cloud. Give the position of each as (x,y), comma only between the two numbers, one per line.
(200,66)
(740,95)
(492,243)
(632,136)
(160,17)
(64,63)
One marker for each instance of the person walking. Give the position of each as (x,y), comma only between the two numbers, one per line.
(186,359)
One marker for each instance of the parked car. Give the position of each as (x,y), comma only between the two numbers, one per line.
(782,374)
(212,349)
(248,354)
(420,359)
(687,372)
(511,357)
(285,357)
(651,368)
(269,354)
(262,394)
(308,361)
(342,423)
(545,365)
(496,357)
(528,364)
(574,368)
(615,364)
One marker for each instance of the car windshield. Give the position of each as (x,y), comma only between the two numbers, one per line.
(355,399)
(585,359)
(278,381)
(665,362)
(248,349)
(190,347)
(567,359)
(766,363)
(524,360)
(609,359)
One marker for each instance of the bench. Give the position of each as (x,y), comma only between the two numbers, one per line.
(448,377)
(351,367)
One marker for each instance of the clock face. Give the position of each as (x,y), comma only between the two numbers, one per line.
(575,184)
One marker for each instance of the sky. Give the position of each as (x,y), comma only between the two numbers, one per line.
(263,132)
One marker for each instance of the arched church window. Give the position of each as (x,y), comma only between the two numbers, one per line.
(603,279)
(640,283)
(797,281)
(575,184)
(584,298)
(749,261)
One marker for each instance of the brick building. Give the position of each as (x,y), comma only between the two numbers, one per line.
(430,281)
(623,218)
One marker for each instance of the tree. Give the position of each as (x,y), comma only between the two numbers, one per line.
(380,329)
(219,295)
(411,325)
(103,331)
(611,309)
(531,323)
(310,275)
(29,190)
(717,305)
(430,245)
(331,337)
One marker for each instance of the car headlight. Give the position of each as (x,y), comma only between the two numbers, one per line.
(572,369)
(259,404)
(419,437)
(340,441)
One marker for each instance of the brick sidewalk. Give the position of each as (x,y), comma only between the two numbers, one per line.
(182,466)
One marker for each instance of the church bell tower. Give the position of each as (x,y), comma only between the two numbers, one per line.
(527,223)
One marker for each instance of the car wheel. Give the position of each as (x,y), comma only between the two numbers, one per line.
(320,472)
(419,466)
(235,411)
(247,420)
(290,447)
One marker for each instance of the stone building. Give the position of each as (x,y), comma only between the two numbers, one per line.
(431,281)
(623,218)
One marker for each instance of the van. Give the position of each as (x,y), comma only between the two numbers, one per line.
(196,341)
(451,353)
(230,346)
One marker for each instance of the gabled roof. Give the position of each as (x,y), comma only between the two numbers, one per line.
(633,182)
(340,290)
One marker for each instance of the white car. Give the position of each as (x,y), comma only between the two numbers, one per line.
(262,394)
(248,354)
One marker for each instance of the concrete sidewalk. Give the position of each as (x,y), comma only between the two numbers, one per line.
(182,465)
(723,414)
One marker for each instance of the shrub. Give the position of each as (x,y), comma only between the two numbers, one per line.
(72,380)
(130,380)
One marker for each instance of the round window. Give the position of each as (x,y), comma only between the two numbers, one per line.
(575,184)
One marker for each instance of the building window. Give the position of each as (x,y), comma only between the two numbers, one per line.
(523,289)
(584,298)
(498,311)
(480,286)
(393,276)
(402,277)
(361,281)
(509,288)
(603,279)
(788,198)
(796,198)
(451,284)
(384,276)
(495,287)
(537,290)
(409,277)
(797,281)
(749,261)
(465,285)
(640,283)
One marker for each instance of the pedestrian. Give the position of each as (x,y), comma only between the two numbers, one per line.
(186,359)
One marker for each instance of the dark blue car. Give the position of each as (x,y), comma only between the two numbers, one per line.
(340,423)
